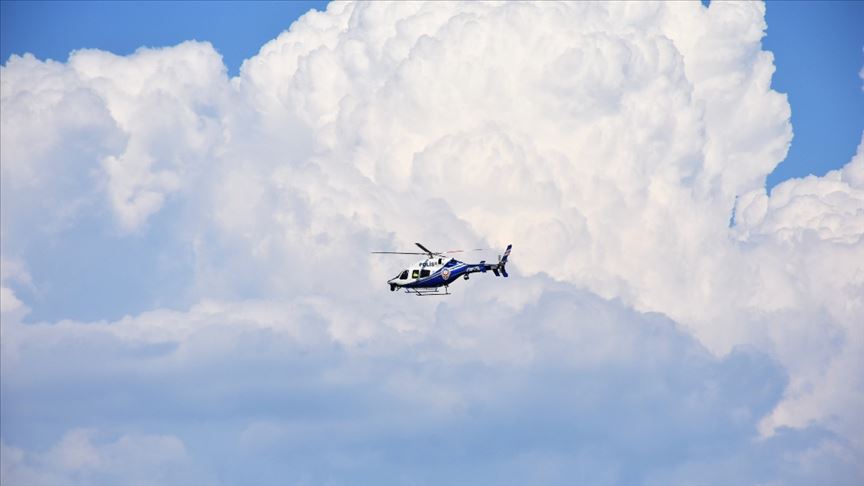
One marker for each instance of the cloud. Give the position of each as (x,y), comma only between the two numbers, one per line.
(570,386)
(82,457)
(807,234)
(641,339)
(829,207)
(134,124)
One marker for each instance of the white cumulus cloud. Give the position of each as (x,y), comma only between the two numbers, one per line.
(639,339)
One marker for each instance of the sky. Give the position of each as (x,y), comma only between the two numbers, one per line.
(824,89)
(53,29)
(191,192)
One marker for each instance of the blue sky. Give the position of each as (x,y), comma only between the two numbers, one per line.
(188,290)
(818,52)
(817,48)
(51,29)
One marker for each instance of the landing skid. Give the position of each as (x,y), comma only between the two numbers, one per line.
(428,292)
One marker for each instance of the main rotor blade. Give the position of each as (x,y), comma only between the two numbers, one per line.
(427,250)
(397,253)
(463,251)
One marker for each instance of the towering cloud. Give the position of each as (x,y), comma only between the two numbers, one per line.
(642,339)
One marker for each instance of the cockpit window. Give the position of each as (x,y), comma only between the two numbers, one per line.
(415,273)
(424,273)
(404,275)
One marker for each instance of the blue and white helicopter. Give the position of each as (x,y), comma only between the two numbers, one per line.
(438,270)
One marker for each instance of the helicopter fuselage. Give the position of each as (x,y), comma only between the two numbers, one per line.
(435,272)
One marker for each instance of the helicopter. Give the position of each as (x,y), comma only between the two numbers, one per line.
(438,270)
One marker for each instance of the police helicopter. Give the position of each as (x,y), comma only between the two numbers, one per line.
(438,270)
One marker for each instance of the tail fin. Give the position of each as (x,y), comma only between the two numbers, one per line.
(502,261)
(506,253)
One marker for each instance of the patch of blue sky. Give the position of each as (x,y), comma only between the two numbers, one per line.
(818,52)
(52,29)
